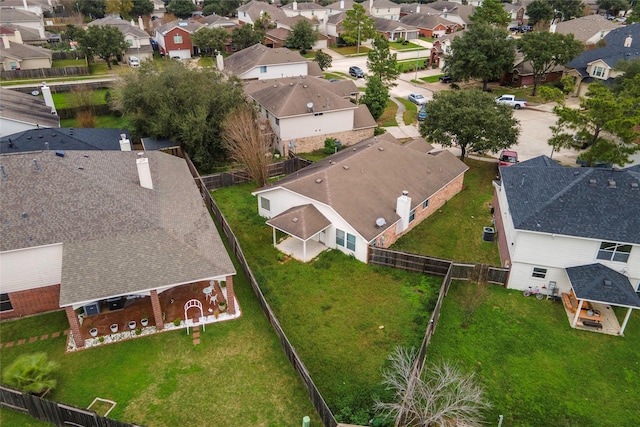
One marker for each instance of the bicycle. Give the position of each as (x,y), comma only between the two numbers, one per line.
(533,291)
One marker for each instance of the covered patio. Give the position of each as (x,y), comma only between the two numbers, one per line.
(595,290)
(303,224)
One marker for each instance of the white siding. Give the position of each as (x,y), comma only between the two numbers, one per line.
(9,127)
(277,71)
(30,268)
(312,125)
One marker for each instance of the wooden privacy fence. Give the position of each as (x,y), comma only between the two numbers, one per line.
(228,179)
(45,72)
(55,412)
(328,420)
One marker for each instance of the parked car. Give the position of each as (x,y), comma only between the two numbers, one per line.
(422,114)
(134,62)
(417,98)
(508,158)
(446,79)
(512,101)
(356,72)
(521,29)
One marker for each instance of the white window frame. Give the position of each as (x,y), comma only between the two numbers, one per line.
(265,204)
(5,300)
(351,242)
(177,39)
(340,237)
(613,251)
(425,204)
(539,272)
(412,215)
(598,71)
(263,69)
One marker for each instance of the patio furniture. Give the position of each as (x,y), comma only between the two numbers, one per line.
(591,323)
(208,293)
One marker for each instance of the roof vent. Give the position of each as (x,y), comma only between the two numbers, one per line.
(36,165)
(576,173)
(59,153)
(634,185)
(345,167)
(25,215)
(295,219)
(380,148)
(592,182)
(4,173)
(310,106)
(612,184)
(405,193)
(380,222)
(608,284)
(318,181)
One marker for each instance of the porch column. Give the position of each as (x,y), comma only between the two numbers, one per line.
(74,324)
(231,295)
(157,310)
(274,237)
(626,319)
(575,319)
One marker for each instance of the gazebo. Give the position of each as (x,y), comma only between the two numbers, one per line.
(600,285)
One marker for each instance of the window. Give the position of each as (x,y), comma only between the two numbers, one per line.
(339,237)
(614,252)
(412,215)
(425,204)
(13,65)
(130,43)
(177,39)
(265,203)
(5,303)
(539,273)
(351,242)
(277,121)
(263,68)
(598,72)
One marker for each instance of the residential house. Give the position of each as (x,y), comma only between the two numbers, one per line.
(251,12)
(20,112)
(522,73)
(310,10)
(264,63)
(276,37)
(339,7)
(15,55)
(518,11)
(551,219)
(53,139)
(174,38)
(622,44)
(304,111)
(394,30)
(137,39)
(159,9)
(452,11)
(590,29)
(39,7)
(28,23)
(369,194)
(382,9)
(442,47)
(130,228)
(430,25)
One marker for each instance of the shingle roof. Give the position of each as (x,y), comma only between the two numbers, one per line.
(258,55)
(125,27)
(303,5)
(118,237)
(586,27)
(303,221)
(26,108)
(588,282)
(424,20)
(362,182)
(387,25)
(15,15)
(461,10)
(187,26)
(24,51)
(254,7)
(574,201)
(214,20)
(62,139)
(613,52)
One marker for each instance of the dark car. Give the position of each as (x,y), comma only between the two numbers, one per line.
(446,79)
(422,114)
(356,72)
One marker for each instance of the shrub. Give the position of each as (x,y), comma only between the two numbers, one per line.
(31,373)
(176,322)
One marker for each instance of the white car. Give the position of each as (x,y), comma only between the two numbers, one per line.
(134,62)
(417,99)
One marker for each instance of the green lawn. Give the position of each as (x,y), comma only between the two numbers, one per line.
(455,231)
(110,121)
(536,369)
(402,46)
(388,117)
(71,99)
(410,114)
(343,316)
(351,50)
(9,417)
(238,375)
(61,63)
(431,79)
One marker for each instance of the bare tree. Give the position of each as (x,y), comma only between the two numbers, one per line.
(473,295)
(83,101)
(249,141)
(441,395)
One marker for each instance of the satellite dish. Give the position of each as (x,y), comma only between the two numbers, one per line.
(380,222)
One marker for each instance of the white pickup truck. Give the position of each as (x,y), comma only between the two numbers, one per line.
(512,100)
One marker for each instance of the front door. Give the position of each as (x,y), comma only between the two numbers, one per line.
(321,237)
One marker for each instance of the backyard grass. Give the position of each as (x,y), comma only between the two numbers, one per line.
(237,376)
(109,121)
(388,117)
(205,61)
(9,417)
(410,114)
(410,65)
(343,316)
(404,46)
(71,99)
(61,63)
(351,50)
(455,231)
(536,369)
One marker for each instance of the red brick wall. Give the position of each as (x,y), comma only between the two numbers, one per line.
(33,301)
(186,41)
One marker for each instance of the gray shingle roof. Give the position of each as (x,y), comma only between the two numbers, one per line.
(588,282)
(362,182)
(425,20)
(62,139)
(258,55)
(118,238)
(613,52)
(15,15)
(574,201)
(303,221)
(586,27)
(125,27)
(24,51)
(388,25)
(187,26)
(26,108)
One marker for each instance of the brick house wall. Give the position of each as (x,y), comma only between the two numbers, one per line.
(33,301)
(170,44)
(311,143)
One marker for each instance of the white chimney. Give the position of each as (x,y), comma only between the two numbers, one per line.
(370,6)
(627,41)
(24,4)
(140,23)
(125,144)
(144,171)
(341,4)
(444,13)
(17,37)
(220,61)
(552,28)
(48,99)
(295,5)
(418,8)
(403,209)
(5,42)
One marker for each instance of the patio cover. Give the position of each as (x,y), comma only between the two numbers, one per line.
(598,283)
(302,222)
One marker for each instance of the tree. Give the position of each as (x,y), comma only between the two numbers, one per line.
(613,7)
(102,41)
(323,60)
(357,26)
(567,9)
(142,8)
(483,52)
(382,63)
(471,119)
(168,100)
(220,7)
(302,37)
(545,51)
(249,141)
(91,8)
(605,121)
(441,396)
(31,373)
(491,12)
(118,7)
(181,8)
(210,39)
(375,96)
(540,11)
(247,35)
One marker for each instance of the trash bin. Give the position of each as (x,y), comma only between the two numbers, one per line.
(488,234)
